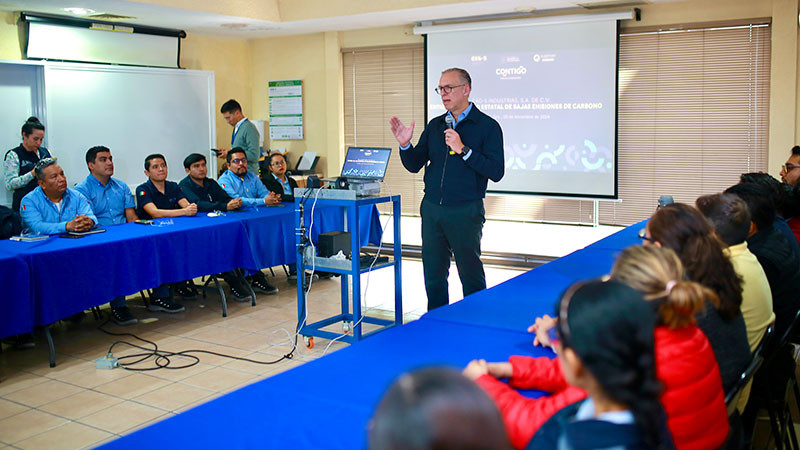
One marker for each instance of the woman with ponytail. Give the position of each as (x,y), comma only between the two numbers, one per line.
(605,348)
(693,398)
(18,162)
(683,229)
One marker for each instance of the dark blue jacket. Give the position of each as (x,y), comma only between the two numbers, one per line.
(589,434)
(449,179)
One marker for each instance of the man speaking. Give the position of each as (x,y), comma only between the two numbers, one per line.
(461,150)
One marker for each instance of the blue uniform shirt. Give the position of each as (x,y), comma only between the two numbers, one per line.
(248,188)
(108,202)
(287,188)
(148,193)
(42,216)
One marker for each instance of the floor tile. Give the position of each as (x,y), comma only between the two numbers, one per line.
(21,380)
(123,416)
(218,379)
(91,377)
(131,386)
(8,409)
(27,424)
(43,393)
(80,405)
(148,423)
(181,374)
(70,436)
(174,396)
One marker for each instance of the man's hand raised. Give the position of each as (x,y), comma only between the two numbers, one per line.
(401,132)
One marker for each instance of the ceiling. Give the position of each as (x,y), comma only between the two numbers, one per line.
(249,19)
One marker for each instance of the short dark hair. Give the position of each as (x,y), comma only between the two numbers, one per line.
(152,157)
(775,187)
(230,106)
(273,155)
(759,201)
(235,150)
(728,215)
(193,158)
(463,73)
(436,408)
(38,168)
(31,124)
(91,154)
(796,150)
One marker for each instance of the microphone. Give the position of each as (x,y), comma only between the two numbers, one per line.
(449,121)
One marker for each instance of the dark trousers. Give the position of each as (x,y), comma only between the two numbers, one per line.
(446,231)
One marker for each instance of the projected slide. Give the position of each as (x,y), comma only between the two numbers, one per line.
(552,88)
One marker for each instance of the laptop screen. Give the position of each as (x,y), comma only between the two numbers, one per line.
(366,163)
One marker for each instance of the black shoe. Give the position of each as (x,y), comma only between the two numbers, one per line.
(20,341)
(260,284)
(76,318)
(164,304)
(292,276)
(326,275)
(122,316)
(186,292)
(239,292)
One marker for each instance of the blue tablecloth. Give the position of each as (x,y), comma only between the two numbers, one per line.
(17,311)
(327,403)
(65,276)
(621,239)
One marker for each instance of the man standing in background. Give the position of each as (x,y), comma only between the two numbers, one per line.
(245,135)
(461,150)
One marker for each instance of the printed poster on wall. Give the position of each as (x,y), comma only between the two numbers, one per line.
(286,109)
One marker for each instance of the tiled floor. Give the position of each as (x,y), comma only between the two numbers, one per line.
(76,406)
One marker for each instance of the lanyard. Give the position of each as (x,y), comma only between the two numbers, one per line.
(236,130)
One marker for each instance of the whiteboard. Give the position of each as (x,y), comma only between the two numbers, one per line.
(133,111)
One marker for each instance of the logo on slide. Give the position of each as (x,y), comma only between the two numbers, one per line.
(509,72)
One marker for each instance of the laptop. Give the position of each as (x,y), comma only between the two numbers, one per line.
(365,164)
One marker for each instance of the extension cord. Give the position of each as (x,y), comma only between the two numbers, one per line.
(107,362)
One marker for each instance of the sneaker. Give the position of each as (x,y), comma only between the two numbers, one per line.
(20,341)
(260,284)
(165,304)
(122,316)
(186,292)
(239,292)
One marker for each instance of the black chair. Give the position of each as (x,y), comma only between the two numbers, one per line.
(774,384)
(732,397)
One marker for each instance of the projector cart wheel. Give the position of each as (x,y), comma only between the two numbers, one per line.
(309,340)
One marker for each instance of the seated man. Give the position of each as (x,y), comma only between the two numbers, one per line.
(239,183)
(52,207)
(277,181)
(206,193)
(112,203)
(773,252)
(157,198)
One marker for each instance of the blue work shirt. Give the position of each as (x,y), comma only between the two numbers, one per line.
(40,215)
(287,188)
(248,188)
(109,201)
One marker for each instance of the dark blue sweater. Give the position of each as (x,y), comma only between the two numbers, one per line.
(449,179)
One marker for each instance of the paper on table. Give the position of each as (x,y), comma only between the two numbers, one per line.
(307,160)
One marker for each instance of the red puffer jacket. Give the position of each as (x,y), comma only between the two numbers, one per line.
(693,398)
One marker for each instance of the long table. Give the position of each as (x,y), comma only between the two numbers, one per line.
(53,278)
(327,403)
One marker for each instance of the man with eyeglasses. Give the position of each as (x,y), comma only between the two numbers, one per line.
(461,150)
(240,183)
(789,171)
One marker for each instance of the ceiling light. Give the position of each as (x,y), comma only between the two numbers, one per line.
(80,11)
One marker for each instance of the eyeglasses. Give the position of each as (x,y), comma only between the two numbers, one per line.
(278,163)
(239,161)
(442,90)
(643,236)
(787,167)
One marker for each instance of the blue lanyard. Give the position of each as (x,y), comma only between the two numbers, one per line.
(236,130)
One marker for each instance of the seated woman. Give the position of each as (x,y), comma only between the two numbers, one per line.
(605,347)
(692,396)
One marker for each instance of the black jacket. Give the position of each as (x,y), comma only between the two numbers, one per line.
(449,179)
(275,186)
(783,273)
(209,197)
